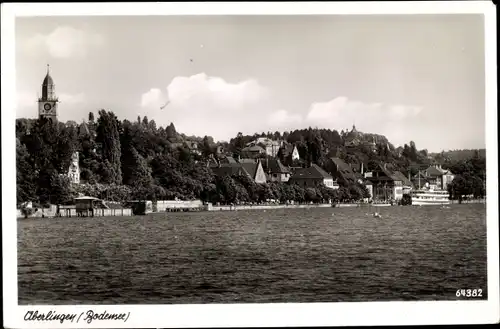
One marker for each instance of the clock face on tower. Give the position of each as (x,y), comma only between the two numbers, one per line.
(47,107)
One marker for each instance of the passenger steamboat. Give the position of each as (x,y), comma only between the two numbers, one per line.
(426,197)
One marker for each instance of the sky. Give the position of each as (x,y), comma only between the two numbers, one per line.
(414,78)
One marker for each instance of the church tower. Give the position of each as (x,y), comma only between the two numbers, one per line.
(47,104)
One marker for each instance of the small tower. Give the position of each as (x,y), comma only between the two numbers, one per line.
(47,104)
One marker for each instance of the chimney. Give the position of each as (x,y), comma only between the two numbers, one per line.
(361,167)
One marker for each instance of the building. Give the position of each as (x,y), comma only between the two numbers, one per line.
(288,153)
(219,150)
(193,147)
(434,177)
(47,104)
(342,172)
(271,147)
(276,171)
(253,151)
(407,184)
(312,177)
(420,180)
(255,170)
(355,138)
(386,185)
(246,167)
(228,169)
(74,169)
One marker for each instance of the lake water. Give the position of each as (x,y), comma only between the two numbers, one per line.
(282,255)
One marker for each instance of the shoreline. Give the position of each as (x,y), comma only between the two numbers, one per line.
(212,208)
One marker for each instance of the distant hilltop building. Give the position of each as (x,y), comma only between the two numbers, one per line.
(47,104)
(355,138)
(270,147)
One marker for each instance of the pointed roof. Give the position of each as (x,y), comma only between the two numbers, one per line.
(48,79)
(344,170)
(388,173)
(433,172)
(274,166)
(403,178)
(84,129)
(250,168)
(287,149)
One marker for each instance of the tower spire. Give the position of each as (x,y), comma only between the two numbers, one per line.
(48,67)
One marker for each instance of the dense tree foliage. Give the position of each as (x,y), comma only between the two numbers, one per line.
(123,160)
(470,179)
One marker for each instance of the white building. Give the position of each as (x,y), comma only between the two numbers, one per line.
(74,169)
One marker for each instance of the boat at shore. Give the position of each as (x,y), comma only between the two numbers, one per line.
(428,197)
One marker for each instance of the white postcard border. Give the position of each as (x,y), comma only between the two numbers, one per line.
(250,315)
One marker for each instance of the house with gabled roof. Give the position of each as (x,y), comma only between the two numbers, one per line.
(246,167)
(420,180)
(342,172)
(276,171)
(228,169)
(407,184)
(255,170)
(386,184)
(269,145)
(252,151)
(435,177)
(288,153)
(312,176)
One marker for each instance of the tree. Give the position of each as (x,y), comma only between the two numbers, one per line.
(109,139)
(466,184)
(355,192)
(25,175)
(311,195)
(365,193)
(171,132)
(60,189)
(206,147)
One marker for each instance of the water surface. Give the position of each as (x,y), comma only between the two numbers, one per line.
(282,255)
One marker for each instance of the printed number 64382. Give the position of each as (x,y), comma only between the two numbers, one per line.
(469,293)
